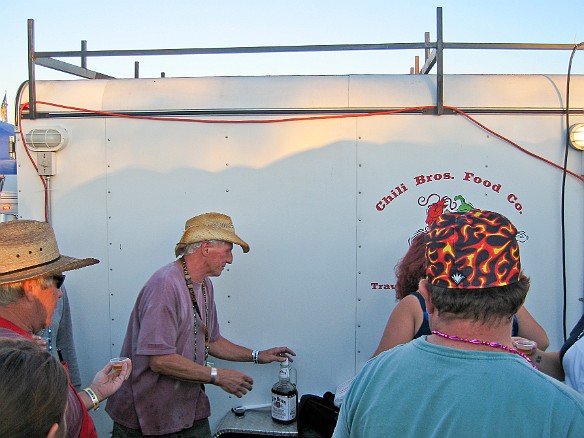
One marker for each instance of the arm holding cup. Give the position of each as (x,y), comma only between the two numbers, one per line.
(104,384)
(548,362)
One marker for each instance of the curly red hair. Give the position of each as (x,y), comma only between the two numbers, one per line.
(411,268)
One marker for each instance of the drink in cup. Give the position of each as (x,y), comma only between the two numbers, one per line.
(524,346)
(117,363)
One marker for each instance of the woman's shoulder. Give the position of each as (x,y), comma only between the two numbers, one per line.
(415,298)
(411,304)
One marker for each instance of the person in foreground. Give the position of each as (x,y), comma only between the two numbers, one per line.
(31,270)
(25,412)
(172,331)
(465,379)
(409,319)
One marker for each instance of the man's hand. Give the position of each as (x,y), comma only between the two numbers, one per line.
(105,383)
(40,341)
(276,354)
(233,382)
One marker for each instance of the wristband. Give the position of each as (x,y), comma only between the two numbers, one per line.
(213,375)
(93,398)
(255,356)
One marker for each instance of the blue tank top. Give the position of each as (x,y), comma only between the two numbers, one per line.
(425,327)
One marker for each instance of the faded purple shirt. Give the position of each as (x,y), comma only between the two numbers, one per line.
(162,323)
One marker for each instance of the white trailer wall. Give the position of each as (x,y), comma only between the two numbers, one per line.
(327,205)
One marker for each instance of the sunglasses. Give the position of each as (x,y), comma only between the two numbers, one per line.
(59,279)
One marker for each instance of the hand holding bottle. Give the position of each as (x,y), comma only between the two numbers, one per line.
(275,354)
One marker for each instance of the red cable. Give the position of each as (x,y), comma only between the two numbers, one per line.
(46,194)
(476,122)
(290,119)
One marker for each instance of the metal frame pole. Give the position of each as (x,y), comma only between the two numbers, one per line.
(31,75)
(439,64)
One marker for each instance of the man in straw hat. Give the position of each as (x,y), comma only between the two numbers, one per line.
(466,378)
(31,273)
(172,331)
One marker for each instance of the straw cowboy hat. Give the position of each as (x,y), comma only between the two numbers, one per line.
(209,226)
(28,249)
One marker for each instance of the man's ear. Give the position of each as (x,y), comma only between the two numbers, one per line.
(205,248)
(30,287)
(53,430)
(423,288)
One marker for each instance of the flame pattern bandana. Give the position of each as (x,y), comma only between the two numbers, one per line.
(472,250)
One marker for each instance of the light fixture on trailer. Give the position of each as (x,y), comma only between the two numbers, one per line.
(576,136)
(47,139)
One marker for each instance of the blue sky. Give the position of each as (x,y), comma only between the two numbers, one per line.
(147,24)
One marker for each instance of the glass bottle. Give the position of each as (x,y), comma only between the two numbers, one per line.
(284,396)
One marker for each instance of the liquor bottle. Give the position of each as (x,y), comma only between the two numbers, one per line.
(284,396)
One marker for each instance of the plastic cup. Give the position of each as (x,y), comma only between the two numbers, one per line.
(117,363)
(524,346)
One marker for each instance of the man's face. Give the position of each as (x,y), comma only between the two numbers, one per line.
(47,296)
(218,255)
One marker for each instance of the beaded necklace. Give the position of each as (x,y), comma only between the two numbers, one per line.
(487,343)
(196,310)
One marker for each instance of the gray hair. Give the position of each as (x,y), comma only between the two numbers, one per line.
(10,293)
(192,247)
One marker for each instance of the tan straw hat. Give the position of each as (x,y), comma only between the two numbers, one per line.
(209,226)
(28,249)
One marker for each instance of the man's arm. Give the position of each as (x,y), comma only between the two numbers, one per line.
(227,350)
(179,367)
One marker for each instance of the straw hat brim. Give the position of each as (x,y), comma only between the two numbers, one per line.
(61,264)
(203,234)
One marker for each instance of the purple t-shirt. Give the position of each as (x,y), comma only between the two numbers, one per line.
(162,323)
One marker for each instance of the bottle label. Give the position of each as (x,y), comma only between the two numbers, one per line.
(284,373)
(284,407)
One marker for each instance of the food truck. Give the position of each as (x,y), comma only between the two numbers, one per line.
(328,178)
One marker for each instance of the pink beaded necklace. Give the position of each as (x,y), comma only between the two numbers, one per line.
(487,343)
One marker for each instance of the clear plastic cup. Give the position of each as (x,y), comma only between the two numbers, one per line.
(524,346)
(117,363)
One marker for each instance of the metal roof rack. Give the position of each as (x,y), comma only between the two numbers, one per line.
(433,51)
